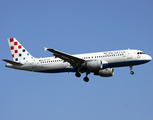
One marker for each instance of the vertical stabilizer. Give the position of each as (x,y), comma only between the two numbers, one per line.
(19,53)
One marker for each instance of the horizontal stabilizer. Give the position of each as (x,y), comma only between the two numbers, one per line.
(12,62)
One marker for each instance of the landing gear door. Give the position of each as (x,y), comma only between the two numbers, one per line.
(129,54)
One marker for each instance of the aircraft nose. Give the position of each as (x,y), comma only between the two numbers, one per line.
(149,57)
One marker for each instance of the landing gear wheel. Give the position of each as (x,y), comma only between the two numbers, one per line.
(77,74)
(132,72)
(86,79)
(131,68)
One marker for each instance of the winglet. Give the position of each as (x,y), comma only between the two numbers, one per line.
(45,48)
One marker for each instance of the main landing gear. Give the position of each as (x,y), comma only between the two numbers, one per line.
(77,74)
(86,79)
(131,68)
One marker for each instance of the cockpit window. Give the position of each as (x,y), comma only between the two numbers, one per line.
(140,53)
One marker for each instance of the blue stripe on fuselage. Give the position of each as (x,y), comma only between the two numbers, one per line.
(123,64)
(106,65)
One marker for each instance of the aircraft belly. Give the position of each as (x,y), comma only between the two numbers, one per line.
(123,63)
(54,68)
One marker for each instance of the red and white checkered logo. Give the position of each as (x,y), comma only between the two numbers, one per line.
(19,53)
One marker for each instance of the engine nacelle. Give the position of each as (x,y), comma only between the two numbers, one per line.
(108,72)
(94,65)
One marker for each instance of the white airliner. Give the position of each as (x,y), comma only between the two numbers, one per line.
(100,63)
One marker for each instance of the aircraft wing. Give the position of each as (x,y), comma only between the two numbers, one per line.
(74,61)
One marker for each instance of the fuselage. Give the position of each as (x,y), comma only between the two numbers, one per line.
(110,59)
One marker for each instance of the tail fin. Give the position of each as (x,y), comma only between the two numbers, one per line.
(19,53)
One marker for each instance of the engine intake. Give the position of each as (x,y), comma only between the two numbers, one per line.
(94,65)
(108,72)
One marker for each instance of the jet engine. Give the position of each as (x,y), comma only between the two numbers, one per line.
(94,65)
(108,72)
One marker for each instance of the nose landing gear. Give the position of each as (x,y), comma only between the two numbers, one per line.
(132,72)
(131,68)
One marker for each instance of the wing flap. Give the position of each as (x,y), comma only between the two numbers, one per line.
(74,61)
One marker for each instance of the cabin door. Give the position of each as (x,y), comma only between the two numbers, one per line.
(129,54)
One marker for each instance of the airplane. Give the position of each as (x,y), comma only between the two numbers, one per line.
(99,63)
